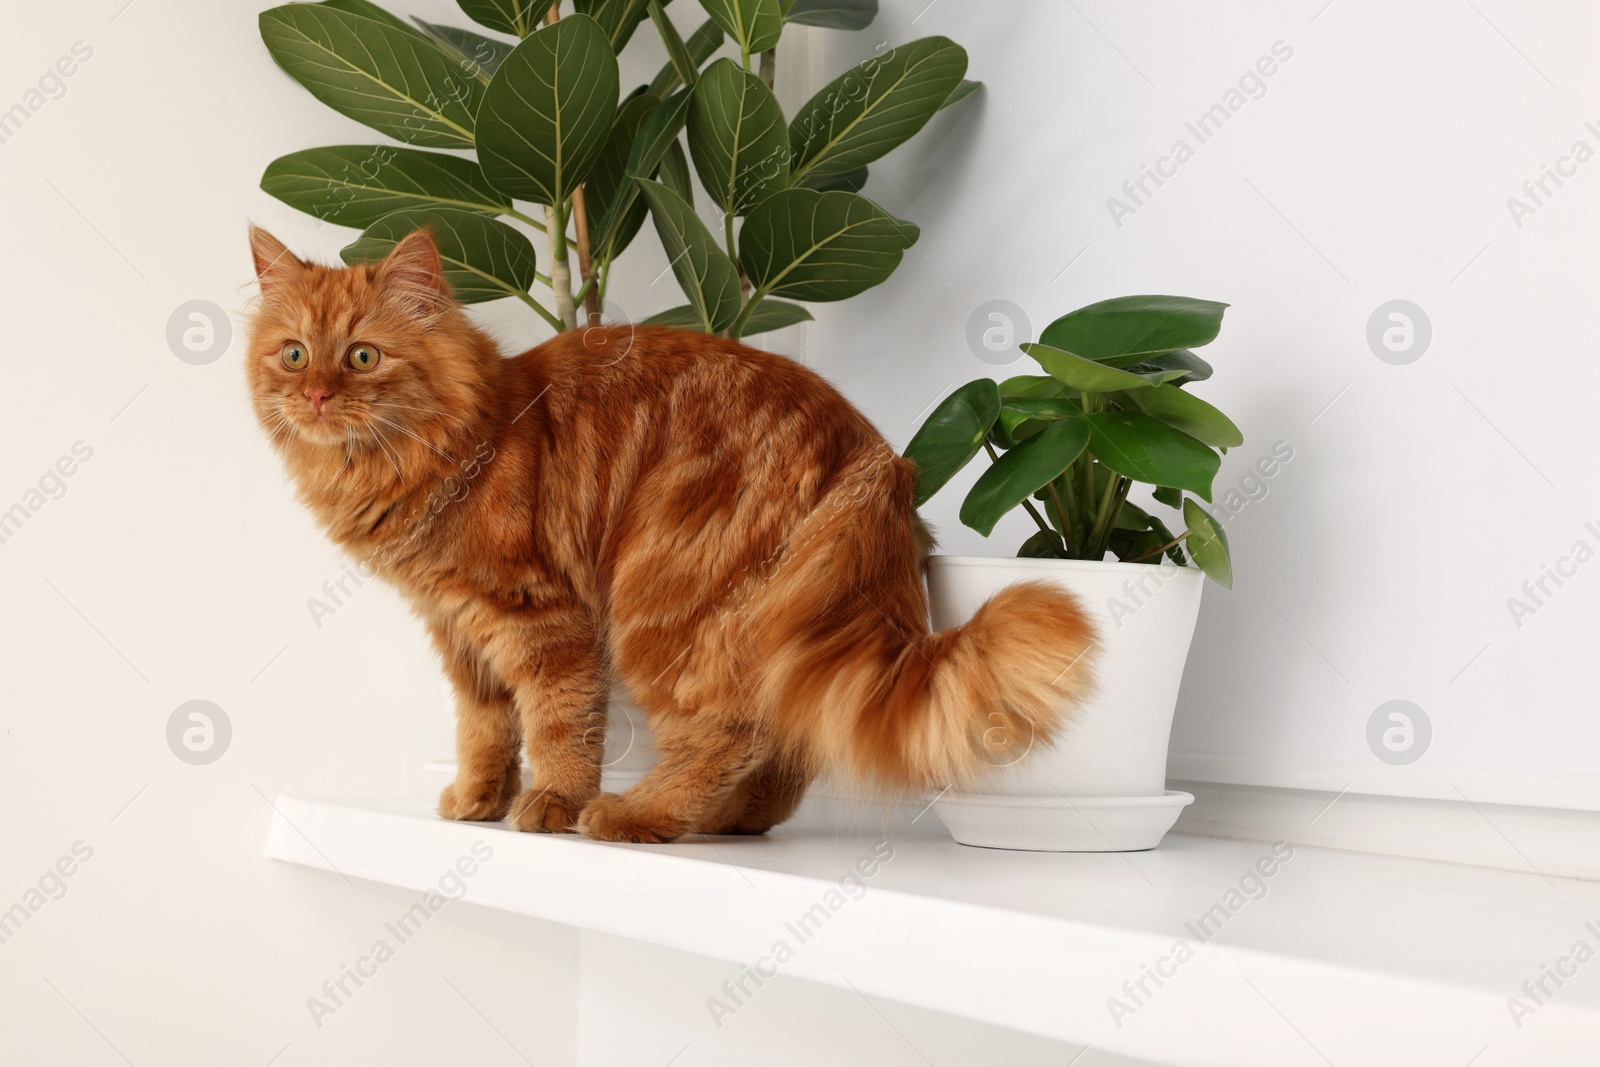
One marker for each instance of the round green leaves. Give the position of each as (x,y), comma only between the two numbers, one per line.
(484,259)
(952,435)
(356,185)
(395,80)
(821,246)
(737,137)
(548,111)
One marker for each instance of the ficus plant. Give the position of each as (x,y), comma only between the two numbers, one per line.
(525,127)
(1112,410)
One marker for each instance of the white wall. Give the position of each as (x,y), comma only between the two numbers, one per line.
(176,566)
(1376,165)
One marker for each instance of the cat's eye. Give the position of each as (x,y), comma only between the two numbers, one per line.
(294,356)
(363,357)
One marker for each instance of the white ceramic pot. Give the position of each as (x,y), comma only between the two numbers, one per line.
(1102,787)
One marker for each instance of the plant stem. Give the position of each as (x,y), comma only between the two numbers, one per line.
(544,312)
(1061,516)
(530,220)
(580,222)
(560,271)
(736,331)
(1086,502)
(1038,518)
(1069,497)
(1123,485)
(584,291)
(769,66)
(1102,515)
(1157,551)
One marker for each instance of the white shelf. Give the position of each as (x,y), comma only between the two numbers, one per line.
(1347,958)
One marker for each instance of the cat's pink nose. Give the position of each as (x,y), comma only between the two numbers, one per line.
(317,396)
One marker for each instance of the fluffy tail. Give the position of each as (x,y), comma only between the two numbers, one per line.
(858,681)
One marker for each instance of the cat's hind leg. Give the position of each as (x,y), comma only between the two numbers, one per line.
(703,758)
(761,800)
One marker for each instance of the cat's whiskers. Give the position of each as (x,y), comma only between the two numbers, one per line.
(283,425)
(383,443)
(410,434)
(424,410)
(349,447)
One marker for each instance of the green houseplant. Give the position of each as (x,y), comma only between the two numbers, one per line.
(1113,411)
(537,100)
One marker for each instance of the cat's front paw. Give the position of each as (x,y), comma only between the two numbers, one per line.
(543,812)
(610,818)
(473,802)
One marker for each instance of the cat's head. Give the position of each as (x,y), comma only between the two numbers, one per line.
(361,358)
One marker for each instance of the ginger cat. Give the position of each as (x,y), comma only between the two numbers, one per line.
(713,526)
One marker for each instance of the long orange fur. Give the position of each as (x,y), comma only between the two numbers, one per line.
(715,527)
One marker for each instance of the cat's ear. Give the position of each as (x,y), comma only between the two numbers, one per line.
(413,277)
(275,264)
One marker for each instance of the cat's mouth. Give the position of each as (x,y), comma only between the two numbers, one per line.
(333,424)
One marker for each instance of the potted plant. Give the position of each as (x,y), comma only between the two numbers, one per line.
(520,127)
(537,101)
(1112,412)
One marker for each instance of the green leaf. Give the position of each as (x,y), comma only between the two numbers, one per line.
(369,10)
(1032,386)
(674,173)
(1166,494)
(772,315)
(1188,413)
(1082,374)
(737,137)
(1022,471)
(1044,544)
(395,81)
(1132,517)
(479,52)
(548,111)
(684,316)
(1128,328)
(874,106)
(769,315)
(952,435)
(754,25)
(484,259)
(707,276)
(961,92)
(608,179)
(1208,544)
(1134,545)
(851,181)
(520,17)
(618,18)
(1188,367)
(1017,412)
(1149,451)
(655,138)
(356,185)
(821,246)
(1174,553)
(833,14)
(696,50)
